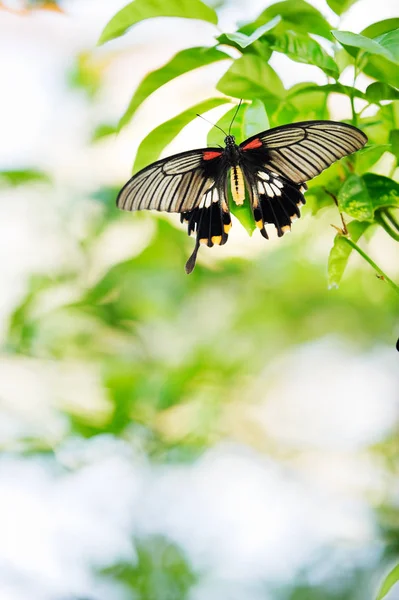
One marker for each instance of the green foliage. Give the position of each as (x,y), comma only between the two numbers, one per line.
(341,251)
(152,146)
(140,10)
(391,579)
(16,177)
(285,27)
(181,63)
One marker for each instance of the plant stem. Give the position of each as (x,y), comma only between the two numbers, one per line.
(383,275)
(381,217)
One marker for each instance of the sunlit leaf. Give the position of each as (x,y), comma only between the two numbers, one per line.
(182,62)
(394,141)
(15,177)
(155,142)
(340,6)
(341,251)
(103,130)
(355,40)
(391,579)
(297,15)
(360,197)
(139,10)
(303,49)
(251,77)
(378,91)
(329,88)
(255,119)
(243,41)
(378,66)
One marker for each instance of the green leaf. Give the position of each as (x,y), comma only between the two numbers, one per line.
(303,49)
(215,136)
(182,62)
(297,15)
(329,88)
(391,579)
(15,177)
(340,6)
(103,130)
(360,197)
(377,66)
(251,77)
(394,141)
(378,91)
(355,40)
(383,191)
(155,142)
(255,119)
(243,41)
(140,10)
(341,251)
(390,41)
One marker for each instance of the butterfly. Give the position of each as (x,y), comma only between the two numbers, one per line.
(270,168)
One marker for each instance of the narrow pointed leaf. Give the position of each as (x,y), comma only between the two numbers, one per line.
(244,41)
(16,177)
(182,62)
(140,10)
(156,141)
(355,40)
(391,579)
(341,251)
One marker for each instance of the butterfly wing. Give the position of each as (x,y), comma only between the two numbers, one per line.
(278,162)
(190,183)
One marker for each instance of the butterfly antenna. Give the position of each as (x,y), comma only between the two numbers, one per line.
(235,114)
(217,126)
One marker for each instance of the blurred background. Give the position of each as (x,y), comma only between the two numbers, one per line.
(231,435)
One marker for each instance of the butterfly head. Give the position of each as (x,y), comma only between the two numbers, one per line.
(230,140)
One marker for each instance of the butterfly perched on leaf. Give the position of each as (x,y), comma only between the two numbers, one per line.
(270,168)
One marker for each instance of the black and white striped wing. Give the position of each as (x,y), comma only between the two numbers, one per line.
(175,184)
(301,151)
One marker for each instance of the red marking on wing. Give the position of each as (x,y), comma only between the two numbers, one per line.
(211,154)
(256,143)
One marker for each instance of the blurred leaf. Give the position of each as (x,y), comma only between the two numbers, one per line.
(340,6)
(215,136)
(391,579)
(341,251)
(367,157)
(390,41)
(251,77)
(243,41)
(103,130)
(297,15)
(160,571)
(303,49)
(182,62)
(255,119)
(139,10)
(15,177)
(257,47)
(394,140)
(155,142)
(373,46)
(329,88)
(360,197)
(87,73)
(380,27)
(378,91)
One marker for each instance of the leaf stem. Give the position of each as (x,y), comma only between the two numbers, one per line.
(380,272)
(382,217)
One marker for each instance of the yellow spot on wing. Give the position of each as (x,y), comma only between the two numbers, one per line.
(227,227)
(216,239)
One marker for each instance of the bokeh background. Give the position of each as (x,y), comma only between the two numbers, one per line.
(231,435)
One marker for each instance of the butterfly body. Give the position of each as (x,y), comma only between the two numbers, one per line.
(269,168)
